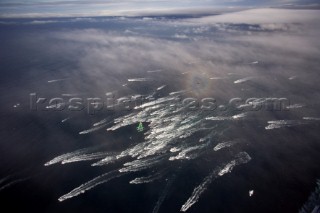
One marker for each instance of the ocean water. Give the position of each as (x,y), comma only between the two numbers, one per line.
(226,108)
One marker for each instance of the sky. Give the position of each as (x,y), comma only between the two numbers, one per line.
(67,8)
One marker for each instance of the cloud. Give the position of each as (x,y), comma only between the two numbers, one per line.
(214,46)
(190,51)
(262,16)
(78,8)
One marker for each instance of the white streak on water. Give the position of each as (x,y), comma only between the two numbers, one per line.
(177,92)
(57,106)
(197,192)
(295,106)
(238,116)
(69,94)
(223,118)
(139,79)
(90,184)
(85,157)
(161,87)
(66,156)
(92,129)
(166,137)
(228,168)
(64,120)
(241,158)
(149,178)
(217,78)
(225,144)
(156,102)
(141,164)
(242,80)
(153,71)
(57,80)
(12,183)
(100,122)
(311,118)
(135,97)
(163,195)
(218,118)
(285,123)
(105,161)
(4,179)
(189,152)
(292,77)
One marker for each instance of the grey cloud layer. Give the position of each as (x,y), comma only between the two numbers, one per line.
(36,9)
(274,52)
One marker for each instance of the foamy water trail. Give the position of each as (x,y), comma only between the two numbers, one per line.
(311,118)
(197,192)
(312,204)
(240,158)
(177,92)
(189,152)
(168,136)
(66,119)
(92,129)
(156,102)
(100,122)
(105,161)
(217,78)
(225,145)
(218,118)
(12,183)
(238,116)
(228,168)
(4,179)
(293,77)
(224,118)
(284,123)
(66,156)
(137,96)
(148,179)
(70,94)
(163,195)
(161,87)
(295,106)
(138,165)
(90,185)
(57,106)
(139,79)
(242,80)
(86,157)
(153,71)
(57,80)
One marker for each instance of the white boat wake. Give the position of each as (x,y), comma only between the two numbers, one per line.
(171,137)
